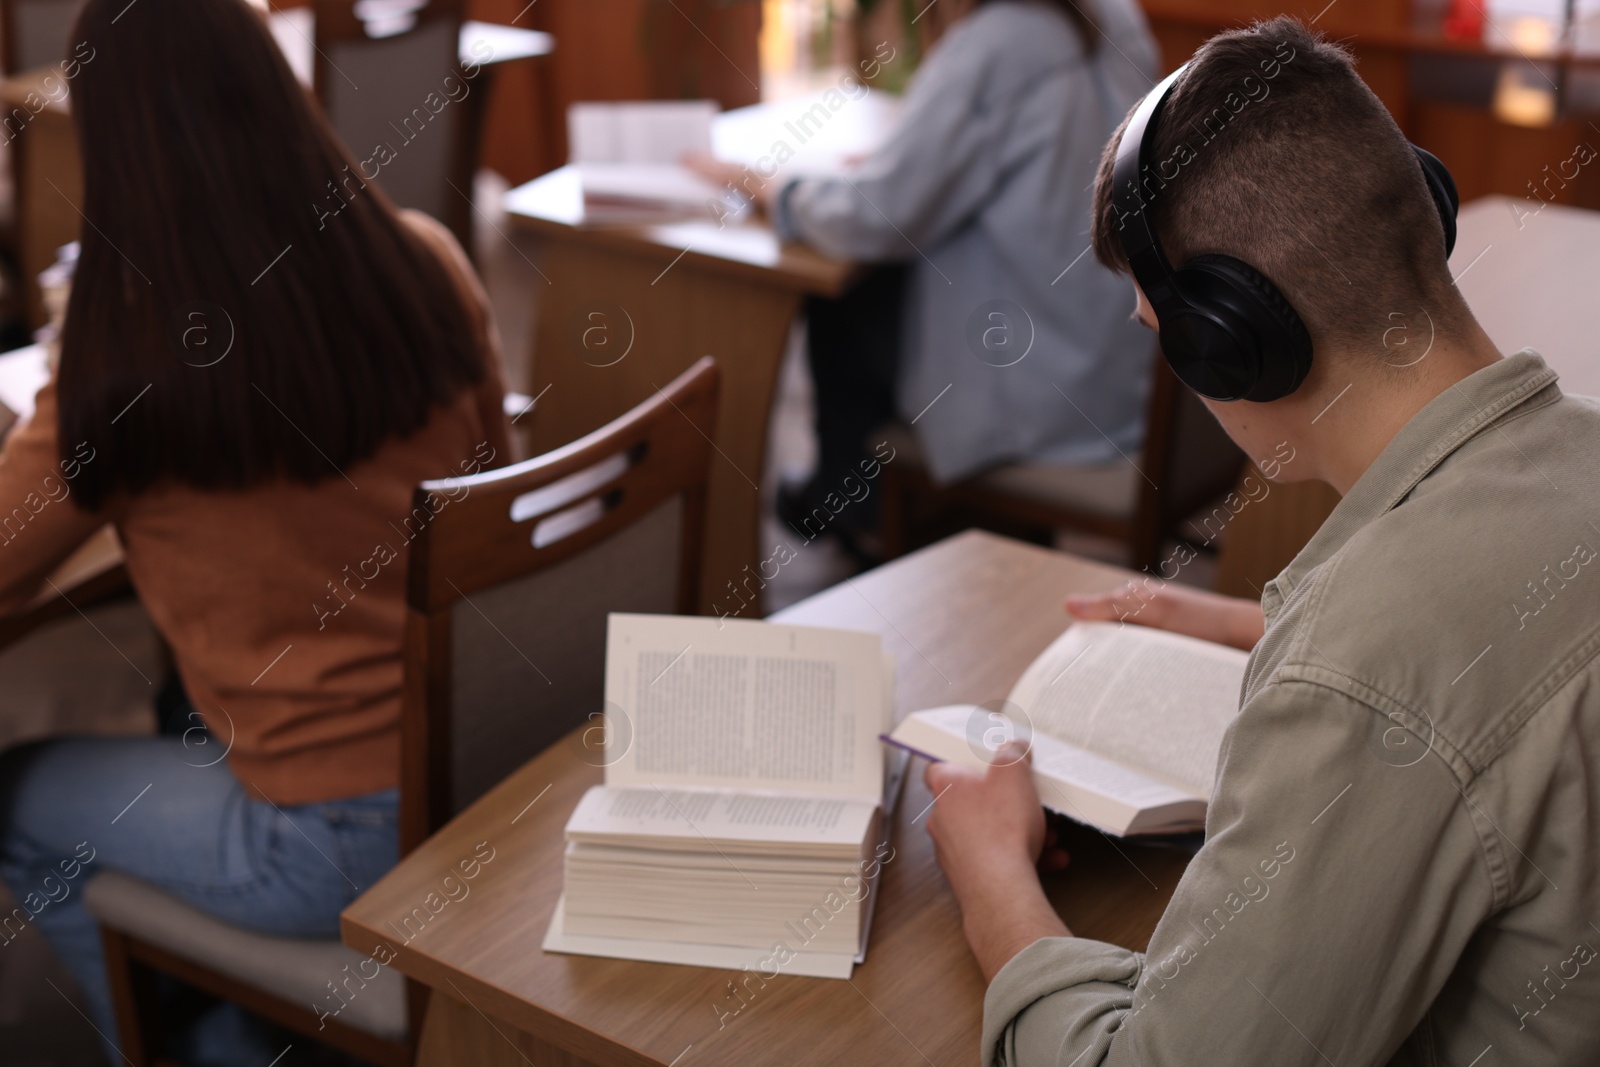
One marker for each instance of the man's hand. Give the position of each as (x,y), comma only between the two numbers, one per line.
(1182,609)
(988,832)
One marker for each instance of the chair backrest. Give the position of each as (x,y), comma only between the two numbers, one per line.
(389,77)
(1186,452)
(511,579)
(35,33)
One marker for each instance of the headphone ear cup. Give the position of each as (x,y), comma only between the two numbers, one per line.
(1281,342)
(1210,349)
(1442,187)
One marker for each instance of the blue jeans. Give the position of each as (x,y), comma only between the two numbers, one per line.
(152,808)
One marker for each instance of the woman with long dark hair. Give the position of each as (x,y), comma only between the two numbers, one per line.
(260,360)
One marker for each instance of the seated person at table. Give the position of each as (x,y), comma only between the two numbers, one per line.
(1401,851)
(993,330)
(254,377)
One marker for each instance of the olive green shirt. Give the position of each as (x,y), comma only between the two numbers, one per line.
(1402,855)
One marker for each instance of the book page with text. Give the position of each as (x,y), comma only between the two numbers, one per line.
(1156,701)
(739,703)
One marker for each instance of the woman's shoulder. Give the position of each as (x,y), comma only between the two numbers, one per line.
(442,243)
(1004,44)
(1031,32)
(1033,27)
(489,397)
(437,236)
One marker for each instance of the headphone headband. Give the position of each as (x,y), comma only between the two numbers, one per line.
(1225,328)
(1146,258)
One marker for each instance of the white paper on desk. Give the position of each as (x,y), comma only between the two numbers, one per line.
(644,131)
(23,373)
(645,186)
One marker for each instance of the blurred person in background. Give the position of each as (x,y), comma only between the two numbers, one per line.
(982,318)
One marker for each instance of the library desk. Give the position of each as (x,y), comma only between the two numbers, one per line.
(623,309)
(962,619)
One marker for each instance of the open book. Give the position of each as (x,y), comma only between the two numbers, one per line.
(1125,724)
(629,157)
(743,803)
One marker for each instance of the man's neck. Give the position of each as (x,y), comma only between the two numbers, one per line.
(1350,421)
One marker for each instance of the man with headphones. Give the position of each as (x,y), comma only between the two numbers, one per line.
(1402,854)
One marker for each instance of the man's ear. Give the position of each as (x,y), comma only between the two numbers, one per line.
(1142,311)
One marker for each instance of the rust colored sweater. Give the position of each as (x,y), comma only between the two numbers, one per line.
(283,604)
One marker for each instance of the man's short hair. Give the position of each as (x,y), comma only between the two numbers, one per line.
(1273,150)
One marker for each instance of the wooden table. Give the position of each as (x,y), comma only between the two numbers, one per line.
(962,618)
(47,176)
(624,309)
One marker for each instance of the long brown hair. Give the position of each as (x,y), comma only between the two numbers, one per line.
(227,326)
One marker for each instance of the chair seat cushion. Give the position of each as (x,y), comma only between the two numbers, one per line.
(293,970)
(1107,490)
(1110,490)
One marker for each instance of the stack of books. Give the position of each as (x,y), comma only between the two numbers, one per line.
(741,823)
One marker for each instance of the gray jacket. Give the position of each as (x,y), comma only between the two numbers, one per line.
(1015,336)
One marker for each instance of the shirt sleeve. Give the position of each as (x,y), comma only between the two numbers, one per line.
(1341,878)
(933,174)
(40,524)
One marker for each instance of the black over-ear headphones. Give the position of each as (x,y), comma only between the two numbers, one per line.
(1226,330)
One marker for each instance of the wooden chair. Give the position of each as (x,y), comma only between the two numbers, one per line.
(1186,462)
(379,64)
(508,588)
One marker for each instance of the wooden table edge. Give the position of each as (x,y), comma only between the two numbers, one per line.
(625,238)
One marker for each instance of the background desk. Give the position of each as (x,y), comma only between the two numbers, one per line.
(624,309)
(962,618)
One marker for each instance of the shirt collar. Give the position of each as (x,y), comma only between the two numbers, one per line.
(1447,422)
